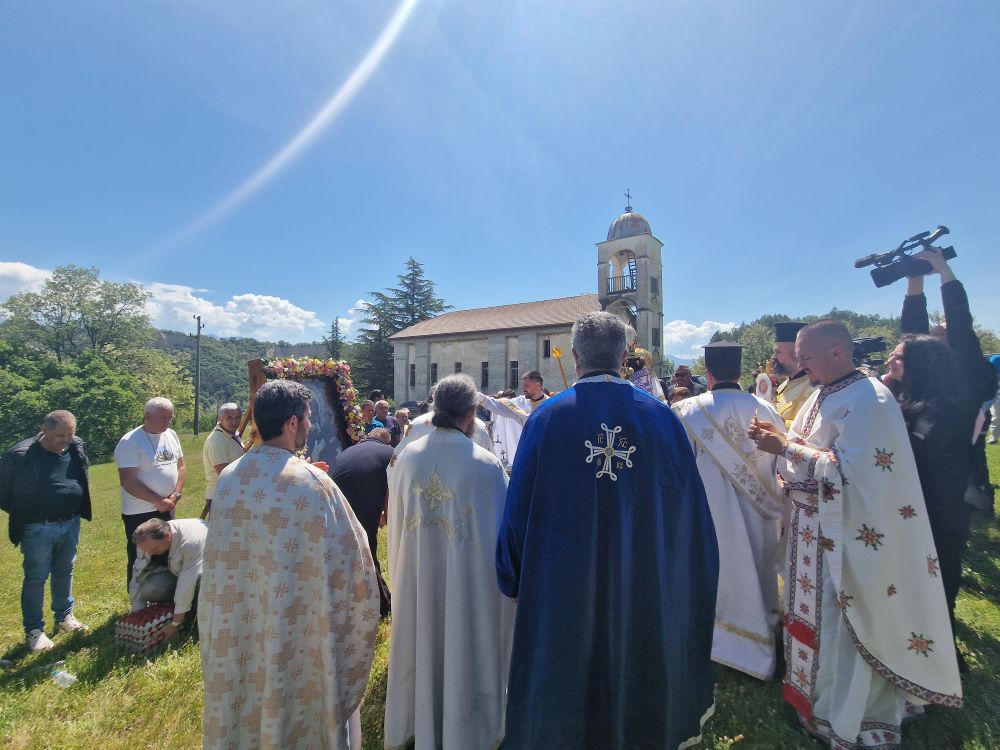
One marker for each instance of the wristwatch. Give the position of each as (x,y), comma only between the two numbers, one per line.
(176,495)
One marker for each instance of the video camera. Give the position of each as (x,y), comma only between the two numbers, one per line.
(864,348)
(897,264)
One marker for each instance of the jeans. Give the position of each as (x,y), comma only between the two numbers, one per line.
(49,549)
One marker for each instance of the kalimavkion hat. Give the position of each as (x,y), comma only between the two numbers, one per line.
(725,354)
(786,332)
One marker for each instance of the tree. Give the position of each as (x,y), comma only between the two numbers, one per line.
(74,312)
(335,341)
(391,311)
(758,345)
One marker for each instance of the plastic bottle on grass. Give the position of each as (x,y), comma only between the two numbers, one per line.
(60,676)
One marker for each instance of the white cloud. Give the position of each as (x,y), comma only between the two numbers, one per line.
(684,339)
(350,324)
(20,277)
(173,306)
(258,315)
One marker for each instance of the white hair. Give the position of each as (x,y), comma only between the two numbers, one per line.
(229,406)
(156,403)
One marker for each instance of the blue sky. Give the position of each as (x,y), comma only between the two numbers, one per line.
(769,144)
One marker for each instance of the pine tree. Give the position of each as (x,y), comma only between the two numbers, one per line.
(412,301)
(335,341)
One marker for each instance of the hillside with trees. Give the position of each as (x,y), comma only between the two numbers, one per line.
(86,344)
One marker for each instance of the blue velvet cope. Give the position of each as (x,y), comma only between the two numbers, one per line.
(615,578)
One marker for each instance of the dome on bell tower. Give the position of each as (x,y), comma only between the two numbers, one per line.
(629,224)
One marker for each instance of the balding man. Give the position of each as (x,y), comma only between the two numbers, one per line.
(151,471)
(222,447)
(867,630)
(44,487)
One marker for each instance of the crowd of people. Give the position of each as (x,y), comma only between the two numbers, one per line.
(565,573)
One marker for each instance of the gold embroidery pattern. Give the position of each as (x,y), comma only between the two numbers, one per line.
(457,532)
(750,636)
(433,494)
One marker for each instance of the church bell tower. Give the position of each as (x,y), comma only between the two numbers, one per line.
(630,279)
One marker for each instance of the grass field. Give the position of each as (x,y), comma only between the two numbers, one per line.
(125,701)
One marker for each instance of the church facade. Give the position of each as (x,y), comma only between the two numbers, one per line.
(497,345)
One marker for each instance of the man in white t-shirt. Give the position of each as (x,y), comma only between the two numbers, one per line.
(150,470)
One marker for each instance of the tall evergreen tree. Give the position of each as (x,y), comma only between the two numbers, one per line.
(389,312)
(335,341)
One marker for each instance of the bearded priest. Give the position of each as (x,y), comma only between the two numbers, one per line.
(793,392)
(867,634)
(746,504)
(451,627)
(608,546)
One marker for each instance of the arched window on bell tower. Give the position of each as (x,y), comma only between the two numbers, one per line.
(622,273)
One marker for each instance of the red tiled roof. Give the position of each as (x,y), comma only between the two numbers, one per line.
(550,312)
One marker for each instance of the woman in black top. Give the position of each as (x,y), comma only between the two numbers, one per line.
(924,368)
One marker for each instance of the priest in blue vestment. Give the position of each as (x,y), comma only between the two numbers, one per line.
(607,544)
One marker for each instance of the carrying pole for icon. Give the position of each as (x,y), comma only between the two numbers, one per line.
(557,353)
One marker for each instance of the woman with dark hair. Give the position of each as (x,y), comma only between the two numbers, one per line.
(923,366)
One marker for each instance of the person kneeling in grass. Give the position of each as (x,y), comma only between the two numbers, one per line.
(168,566)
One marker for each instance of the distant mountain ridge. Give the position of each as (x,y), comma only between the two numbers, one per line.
(176,341)
(224,374)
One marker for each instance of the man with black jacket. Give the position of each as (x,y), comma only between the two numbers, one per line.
(359,472)
(44,487)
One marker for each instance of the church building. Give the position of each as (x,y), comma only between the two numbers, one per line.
(497,345)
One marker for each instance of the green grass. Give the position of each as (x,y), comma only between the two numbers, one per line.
(127,701)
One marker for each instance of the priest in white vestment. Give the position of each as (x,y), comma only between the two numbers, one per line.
(289,603)
(746,504)
(868,640)
(449,651)
(510,414)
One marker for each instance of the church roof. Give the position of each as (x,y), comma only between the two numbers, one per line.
(549,312)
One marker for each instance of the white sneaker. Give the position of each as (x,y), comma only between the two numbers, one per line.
(71,625)
(38,641)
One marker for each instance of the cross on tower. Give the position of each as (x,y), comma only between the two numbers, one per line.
(628,200)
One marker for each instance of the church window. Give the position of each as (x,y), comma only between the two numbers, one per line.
(547,348)
(484,375)
(656,337)
(513,375)
(413,376)
(654,284)
(434,372)
(458,367)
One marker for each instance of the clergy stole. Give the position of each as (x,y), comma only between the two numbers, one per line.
(742,491)
(733,452)
(791,396)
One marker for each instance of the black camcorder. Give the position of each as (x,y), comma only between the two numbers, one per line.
(864,348)
(897,264)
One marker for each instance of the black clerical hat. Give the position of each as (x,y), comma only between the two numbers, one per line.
(786,332)
(724,354)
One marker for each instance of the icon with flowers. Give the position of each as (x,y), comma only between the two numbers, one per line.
(340,390)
